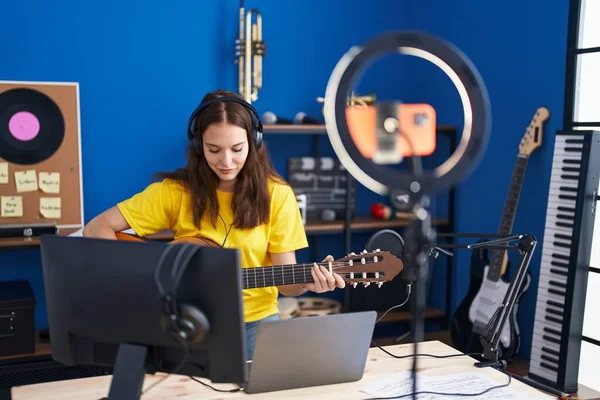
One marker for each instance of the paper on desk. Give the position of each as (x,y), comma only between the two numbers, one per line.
(401,384)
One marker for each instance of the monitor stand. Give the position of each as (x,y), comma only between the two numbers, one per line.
(129,372)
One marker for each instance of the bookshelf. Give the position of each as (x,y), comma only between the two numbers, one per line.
(351,225)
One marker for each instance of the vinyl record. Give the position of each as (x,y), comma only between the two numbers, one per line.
(32,127)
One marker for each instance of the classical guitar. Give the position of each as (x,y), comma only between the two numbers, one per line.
(374,267)
(488,279)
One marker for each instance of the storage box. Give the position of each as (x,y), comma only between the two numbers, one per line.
(17,318)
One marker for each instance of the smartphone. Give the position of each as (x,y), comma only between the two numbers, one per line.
(387,133)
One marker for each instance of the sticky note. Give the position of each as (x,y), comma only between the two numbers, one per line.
(26,181)
(3,172)
(12,206)
(50,207)
(49,182)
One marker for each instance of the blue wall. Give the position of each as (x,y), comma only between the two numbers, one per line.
(143,66)
(519,47)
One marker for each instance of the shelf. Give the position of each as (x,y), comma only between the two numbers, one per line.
(295,129)
(396,316)
(24,242)
(42,350)
(358,224)
(320,129)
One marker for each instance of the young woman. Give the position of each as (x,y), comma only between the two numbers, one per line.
(229,193)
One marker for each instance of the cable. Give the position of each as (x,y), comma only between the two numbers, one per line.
(175,371)
(226,230)
(212,387)
(540,386)
(177,269)
(425,355)
(408,291)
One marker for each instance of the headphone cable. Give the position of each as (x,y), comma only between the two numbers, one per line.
(177,270)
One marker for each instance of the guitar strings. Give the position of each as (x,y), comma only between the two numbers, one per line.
(295,268)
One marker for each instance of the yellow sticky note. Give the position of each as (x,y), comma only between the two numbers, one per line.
(12,206)
(26,181)
(49,182)
(50,207)
(3,172)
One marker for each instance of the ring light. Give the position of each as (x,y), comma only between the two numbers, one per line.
(466,79)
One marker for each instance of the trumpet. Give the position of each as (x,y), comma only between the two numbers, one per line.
(250,50)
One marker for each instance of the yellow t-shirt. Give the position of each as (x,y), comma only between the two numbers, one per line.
(167,205)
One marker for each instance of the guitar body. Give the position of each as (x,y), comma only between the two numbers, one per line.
(195,240)
(478,307)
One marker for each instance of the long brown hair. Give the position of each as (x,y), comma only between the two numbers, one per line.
(251,200)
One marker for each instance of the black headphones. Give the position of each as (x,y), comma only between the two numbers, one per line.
(257,127)
(183,322)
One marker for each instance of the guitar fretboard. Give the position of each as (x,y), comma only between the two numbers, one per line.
(508,214)
(277,275)
(301,273)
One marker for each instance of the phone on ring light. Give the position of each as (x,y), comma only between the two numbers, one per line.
(380,131)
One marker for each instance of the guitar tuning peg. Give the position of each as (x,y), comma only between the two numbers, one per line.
(379,284)
(377,250)
(364,251)
(354,284)
(366,284)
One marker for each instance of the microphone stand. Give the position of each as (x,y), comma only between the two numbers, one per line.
(526,244)
(490,337)
(416,270)
(421,236)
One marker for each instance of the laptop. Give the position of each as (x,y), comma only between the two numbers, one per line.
(310,351)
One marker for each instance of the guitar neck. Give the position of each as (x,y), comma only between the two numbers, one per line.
(508,214)
(278,275)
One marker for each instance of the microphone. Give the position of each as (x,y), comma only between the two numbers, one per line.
(270,118)
(303,119)
(389,240)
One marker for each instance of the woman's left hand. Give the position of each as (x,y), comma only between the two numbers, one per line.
(324,281)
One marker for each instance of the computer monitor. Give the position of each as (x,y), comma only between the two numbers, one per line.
(105,309)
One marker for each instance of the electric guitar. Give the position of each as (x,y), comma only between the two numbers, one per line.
(374,267)
(489,283)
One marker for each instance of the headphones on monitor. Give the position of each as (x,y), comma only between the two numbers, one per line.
(184,322)
(257,127)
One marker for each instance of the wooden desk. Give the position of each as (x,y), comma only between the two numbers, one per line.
(379,366)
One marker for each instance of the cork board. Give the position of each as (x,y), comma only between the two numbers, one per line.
(40,154)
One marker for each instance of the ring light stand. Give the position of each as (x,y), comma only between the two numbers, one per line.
(417,183)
